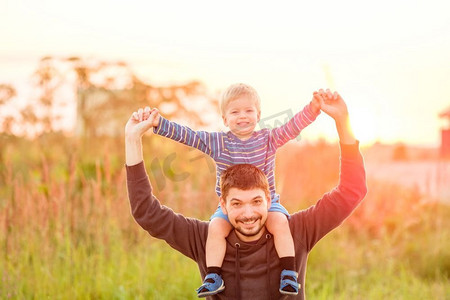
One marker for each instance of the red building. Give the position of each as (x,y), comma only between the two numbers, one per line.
(445,134)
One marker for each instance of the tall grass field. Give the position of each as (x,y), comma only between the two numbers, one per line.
(66,231)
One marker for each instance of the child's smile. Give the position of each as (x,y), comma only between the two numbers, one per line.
(241,117)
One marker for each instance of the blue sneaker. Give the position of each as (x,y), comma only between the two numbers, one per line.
(288,283)
(213,284)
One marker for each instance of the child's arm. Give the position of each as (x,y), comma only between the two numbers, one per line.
(290,130)
(210,143)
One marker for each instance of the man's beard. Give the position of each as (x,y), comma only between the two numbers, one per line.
(253,232)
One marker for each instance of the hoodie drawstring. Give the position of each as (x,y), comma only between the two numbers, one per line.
(238,268)
(238,272)
(268,236)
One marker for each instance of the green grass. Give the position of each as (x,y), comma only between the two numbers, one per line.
(106,272)
(348,268)
(66,231)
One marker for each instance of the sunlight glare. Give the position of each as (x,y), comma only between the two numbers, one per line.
(365,127)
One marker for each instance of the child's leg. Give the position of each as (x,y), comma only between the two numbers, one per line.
(278,225)
(218,230)
(216,245)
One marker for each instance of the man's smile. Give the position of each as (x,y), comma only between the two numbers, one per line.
(251,222)
(248,223)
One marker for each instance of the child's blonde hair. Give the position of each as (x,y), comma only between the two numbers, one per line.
(237,90)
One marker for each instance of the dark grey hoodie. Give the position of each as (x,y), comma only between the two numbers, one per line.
(251,270)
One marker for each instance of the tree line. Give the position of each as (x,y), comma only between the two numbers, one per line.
(103,94)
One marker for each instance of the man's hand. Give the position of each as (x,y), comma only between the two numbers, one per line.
(334,106)
(141,121)
(137,125)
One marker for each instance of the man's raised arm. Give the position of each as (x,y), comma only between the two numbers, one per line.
(335,206)
(183,234)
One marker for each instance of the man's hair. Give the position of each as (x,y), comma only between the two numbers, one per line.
(237,90)
(243,177)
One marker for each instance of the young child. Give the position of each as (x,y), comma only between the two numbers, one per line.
(240,106)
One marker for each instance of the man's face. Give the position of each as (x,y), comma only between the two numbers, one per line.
(247,211)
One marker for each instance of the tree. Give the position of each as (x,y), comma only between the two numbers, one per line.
(400,152)
(7,92)
(106,93)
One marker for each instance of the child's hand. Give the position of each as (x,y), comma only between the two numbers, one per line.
(315,105)
(137,125)
(332,104)
(143,115)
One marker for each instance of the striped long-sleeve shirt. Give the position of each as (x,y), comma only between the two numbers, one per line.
(226,149)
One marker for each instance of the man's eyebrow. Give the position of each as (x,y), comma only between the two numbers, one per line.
(254,198)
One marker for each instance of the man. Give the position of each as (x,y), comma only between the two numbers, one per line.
(251,267)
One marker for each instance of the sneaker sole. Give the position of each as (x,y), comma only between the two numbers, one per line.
(210,293)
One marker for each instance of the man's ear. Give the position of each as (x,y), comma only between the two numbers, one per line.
(269,202)
(222,206)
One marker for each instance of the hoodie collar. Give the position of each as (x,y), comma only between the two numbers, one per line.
(245,247)
(233,239)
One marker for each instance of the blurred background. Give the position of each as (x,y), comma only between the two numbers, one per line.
(72,72)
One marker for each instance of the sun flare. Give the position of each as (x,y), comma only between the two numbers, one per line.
(365,127)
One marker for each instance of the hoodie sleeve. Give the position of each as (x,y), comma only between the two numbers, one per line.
(187,235)
(310,225)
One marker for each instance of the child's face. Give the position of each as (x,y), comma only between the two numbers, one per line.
(241,116)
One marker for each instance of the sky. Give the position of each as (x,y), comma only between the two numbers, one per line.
(390,60)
